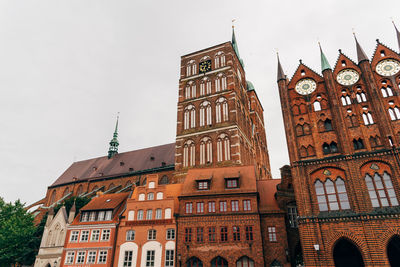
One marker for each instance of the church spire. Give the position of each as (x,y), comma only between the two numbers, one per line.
(281,74)
(397,33)
(235,45)
(360,52)
(114,142)
(324,62)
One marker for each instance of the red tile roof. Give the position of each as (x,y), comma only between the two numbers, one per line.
(139,160)
(247,180)
(267,190)
(106,201)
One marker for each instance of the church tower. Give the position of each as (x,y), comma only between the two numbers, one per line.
(343,133)
(220,118)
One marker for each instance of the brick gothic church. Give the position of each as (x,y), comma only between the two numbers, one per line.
(342,133)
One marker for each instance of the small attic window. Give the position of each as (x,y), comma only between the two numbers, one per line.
(121,163)
(152,158)
(303,73)
(382,53)
(319,97)
(349,111)
(343,63)
(232,182)
(131,169)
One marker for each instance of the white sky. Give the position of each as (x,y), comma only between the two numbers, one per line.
(67,68)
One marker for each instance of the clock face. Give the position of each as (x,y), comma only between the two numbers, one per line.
(305,86)
(388,67)
(205,66)
(347,77)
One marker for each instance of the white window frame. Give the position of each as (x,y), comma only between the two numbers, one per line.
(105,234)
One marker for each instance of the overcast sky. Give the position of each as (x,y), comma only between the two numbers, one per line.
(67,68)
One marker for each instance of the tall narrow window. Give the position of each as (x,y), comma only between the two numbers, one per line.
(202,87)
(150,258)
(189,207)
(394,113)
(194,94)
(140,215)
(212,234)
(188,235)
(317,106)
(189,152)
(367,118)
(249,233)
(223,148)
(292,216)
(189,117)
(381,191)
(345,100)
(361,97)
(199,234)
(128,255)
(386,91)
(205,150)
(169,257)
(272,234)
(358,144)
(149,215)
(236,233)
(328,125)
(224,234)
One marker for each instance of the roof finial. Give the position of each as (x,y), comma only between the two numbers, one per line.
(324,61)
(360,52)
(234,43)
(281,74)
(233,23)
(397,33)
(114,141)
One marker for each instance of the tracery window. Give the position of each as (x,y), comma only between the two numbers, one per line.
(221,110)
(358,144)
(205,86)
(361,97)
(205,114)
(381,191)
(329,148)
(332,195)
(219,60)
(191,68)
(303,129)
(205,150)
(189,153)
(345,100)
(189,117)
(223,148)
(367,118)
(386,90)
(394,113)
(220,83)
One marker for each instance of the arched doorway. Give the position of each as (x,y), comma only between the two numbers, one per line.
(219,262)
(345,253)
(194,262)
(393,251)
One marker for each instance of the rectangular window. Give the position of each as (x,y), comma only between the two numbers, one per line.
(74,236)
(108,215)
(232,183)
(80,258)
(140,215)
(170,234)
(91,258)
(69,259)
(128,255)
(249,233)
(84,236)
(92,216)
(236,233)
(200,207)
(202,185)
(150,254)
(100,217)
(272,234)
(189,207)
(85,216)
(199,235)
(188,235)
(106,235)
(152,234)
(222,206)
(95,235)
(292,216)
(169,258)
(211,206)
(246,205)
(102,257)
(235,205)
(224,234)
(211,234)
(158,214)
(130,235)
(149,215)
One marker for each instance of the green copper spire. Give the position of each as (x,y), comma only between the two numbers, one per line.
(235,46)
(114,142)
(324,62)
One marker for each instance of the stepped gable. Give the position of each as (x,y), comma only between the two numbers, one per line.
(267,190)
(119,164)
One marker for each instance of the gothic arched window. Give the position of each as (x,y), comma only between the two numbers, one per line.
(345,100)
(205,150)
(219,60)
(358,144)
(221,109)
(386,91)
(394,113)
(223,148)
(220,83)
(361,97)
(317,106)
(205,113)
(367,118)
(332,195)
(189,117)
(381,191)
(189,154)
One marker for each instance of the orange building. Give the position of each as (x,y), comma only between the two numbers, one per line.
(91,237)
(146,235)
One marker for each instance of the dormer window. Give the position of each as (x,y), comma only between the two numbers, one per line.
(232,183)
(203,185)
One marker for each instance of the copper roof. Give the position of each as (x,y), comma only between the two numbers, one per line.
(106,201)
(120,164)
(247,182)
(267,190)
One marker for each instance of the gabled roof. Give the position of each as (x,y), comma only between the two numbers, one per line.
(298,73)
(106,202)
(350,63)
(377,56)
(119,164)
